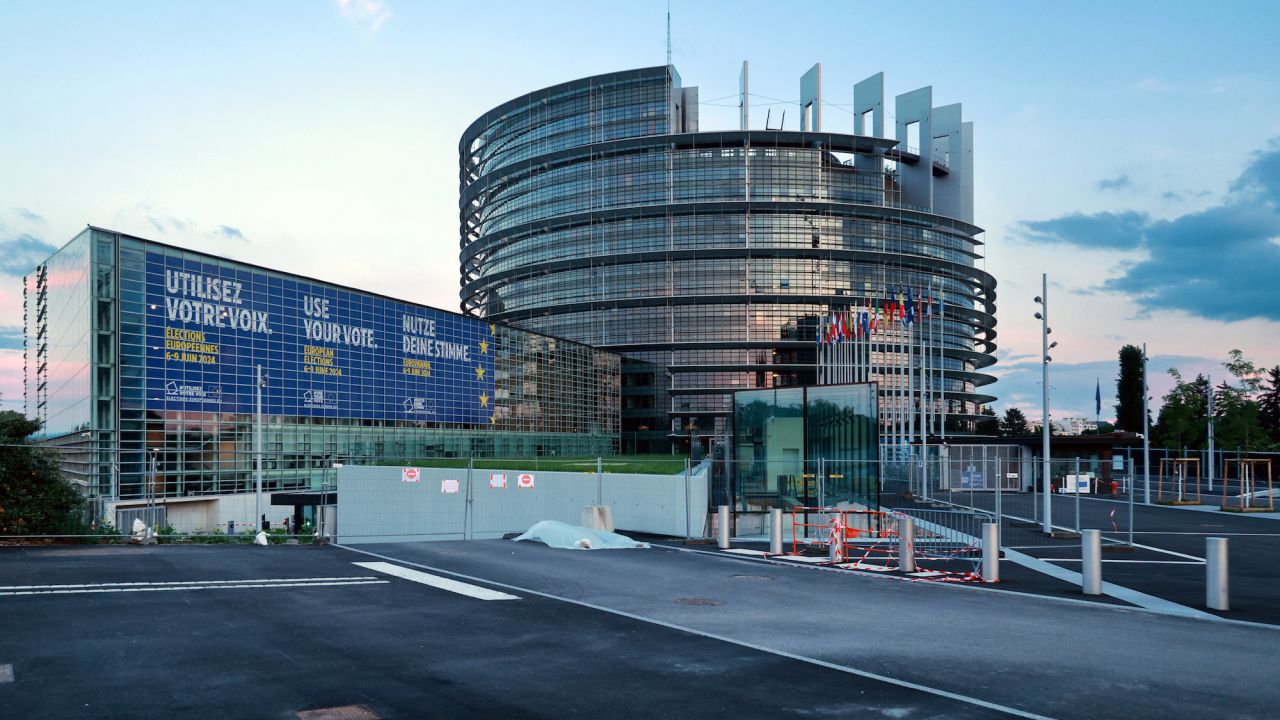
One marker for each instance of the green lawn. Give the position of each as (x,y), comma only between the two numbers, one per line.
(646,464)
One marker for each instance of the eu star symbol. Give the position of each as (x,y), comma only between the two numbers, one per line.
(479,372)
(493,329)
(484,347)
(484,400)
(493,419)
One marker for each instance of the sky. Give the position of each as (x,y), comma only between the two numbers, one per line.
(1131,151)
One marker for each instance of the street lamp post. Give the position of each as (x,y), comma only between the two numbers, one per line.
(257,445)
(1146,432)
(1045,346)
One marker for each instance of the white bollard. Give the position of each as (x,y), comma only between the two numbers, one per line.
(775,531)
(722,532)
(1215,574)
(906,544)
(1091,558)
(990,552)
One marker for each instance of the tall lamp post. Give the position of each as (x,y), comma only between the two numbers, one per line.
(257,446)
(1045,346)
(1146,432)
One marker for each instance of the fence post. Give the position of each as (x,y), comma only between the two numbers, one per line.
(1075,485)
(990,552)
(688,511)
(775,531)
(1215,568)
(1132,491)
(1091,559)
(468,524)
(722,532)
(599,482)
(906,544)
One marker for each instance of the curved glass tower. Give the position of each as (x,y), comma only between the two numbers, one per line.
(595,210)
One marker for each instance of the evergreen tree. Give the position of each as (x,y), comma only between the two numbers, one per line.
(1129,390)
(988,425)
(1014,423)
(1269,404)
(1184,417)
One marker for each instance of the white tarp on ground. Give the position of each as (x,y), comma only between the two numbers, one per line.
(561,535)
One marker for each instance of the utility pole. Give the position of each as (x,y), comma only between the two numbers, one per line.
(1210,414)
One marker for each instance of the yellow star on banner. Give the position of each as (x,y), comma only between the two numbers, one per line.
(484,400)
(484,347)
(493,420)
(479,372)
(493,329)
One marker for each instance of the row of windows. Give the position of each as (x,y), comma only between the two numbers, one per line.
(715,276)
(607,240)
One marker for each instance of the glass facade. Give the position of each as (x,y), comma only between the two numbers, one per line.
(589,211)
(815,446)
(138,350)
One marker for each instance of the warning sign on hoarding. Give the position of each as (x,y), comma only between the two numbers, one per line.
(410,474)
(448,486)
(497,481)
(524,481)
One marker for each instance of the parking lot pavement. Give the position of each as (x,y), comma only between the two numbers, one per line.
(242,631)
(1171,565)
(1054,657)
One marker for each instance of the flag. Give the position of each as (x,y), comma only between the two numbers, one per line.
(1097,398)
(910,317)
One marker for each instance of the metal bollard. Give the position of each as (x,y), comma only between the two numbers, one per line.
(1091,557)
(990,552)
(906,544)
(722,532)
(1215,574)
(775,531)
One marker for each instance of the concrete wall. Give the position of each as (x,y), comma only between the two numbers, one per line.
(376,504)
(207,513)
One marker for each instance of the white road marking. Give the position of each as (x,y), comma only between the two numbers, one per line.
(803,559)
(6,673)
(182,582)
(435,581)
(171,588)
(740,643)
(745,551)
(1149,562)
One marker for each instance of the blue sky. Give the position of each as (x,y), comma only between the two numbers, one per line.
(1128,149)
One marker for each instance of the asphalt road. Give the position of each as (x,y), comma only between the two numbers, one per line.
(269,632)
(297,641)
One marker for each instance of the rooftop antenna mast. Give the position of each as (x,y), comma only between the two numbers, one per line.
(668,32)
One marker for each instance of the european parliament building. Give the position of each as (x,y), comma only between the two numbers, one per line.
(598,210)
(142,361)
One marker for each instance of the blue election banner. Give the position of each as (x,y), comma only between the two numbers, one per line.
(326,352)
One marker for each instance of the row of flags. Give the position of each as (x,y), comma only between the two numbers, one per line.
(877,316)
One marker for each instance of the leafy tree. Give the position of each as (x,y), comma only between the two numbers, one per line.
(1129,389)
(1014,423)
(1184,418)
(34,499)
(988,425)
(1269,404)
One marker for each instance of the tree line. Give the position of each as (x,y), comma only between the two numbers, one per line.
(1245,406)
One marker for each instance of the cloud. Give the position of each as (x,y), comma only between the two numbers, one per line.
(1103,231)
(10,338)
(150,220)
(369,13)
(20,253)
(1119,182)
(28,215)
(1219,263)
(230,233)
